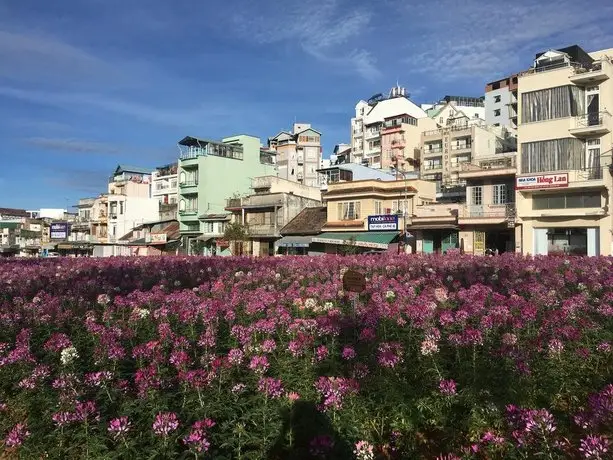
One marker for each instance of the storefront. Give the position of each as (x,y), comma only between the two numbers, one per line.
(579,241)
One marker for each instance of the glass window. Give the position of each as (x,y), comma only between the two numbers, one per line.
(552,103)
(477,195)
(378,207)
(349,210)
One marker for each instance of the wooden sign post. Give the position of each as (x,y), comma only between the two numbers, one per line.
(354,281)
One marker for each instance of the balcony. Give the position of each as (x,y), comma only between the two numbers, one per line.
(189,213)
(487,214)
(433,151)
(433,167)
(399,144)
(489,167)
(263,230)
(595,74)
(591,124)
(234,203)
(461,147)
(188,184)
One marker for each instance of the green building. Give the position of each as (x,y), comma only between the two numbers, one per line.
(209,173)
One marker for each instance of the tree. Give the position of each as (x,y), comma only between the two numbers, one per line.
(349,247)
(235,234)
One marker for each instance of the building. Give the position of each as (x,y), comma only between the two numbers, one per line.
(153,239)
(350,204)
(129,201)
(347,172)
(501,103)
(451,107)
(165,189)
(298,233)
(212,238)
(299,154)
(210,172)
(369,120)
(487,219)
(446,149)
(563,185)
(273,204)
(400,142)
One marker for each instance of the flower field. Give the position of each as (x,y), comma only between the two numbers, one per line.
(441,357)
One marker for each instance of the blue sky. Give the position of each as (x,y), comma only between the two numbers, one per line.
(88,84)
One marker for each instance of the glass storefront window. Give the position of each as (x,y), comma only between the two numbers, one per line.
(571,241)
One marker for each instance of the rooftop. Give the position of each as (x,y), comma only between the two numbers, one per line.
(309,221)
(13,212)
(131,169)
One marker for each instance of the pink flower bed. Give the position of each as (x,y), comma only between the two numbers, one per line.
(441,357)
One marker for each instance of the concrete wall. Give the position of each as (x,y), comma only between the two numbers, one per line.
(491,106)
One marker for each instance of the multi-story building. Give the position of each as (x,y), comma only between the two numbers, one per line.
(273,204)
(210,172)
(400,142)
(351,203)
(81,228)
(449,108)
(563,185)
(370,120)
(129,202)
(164,188)
(446,149)
(487,219)
(298,154)
(501,103)
(346,172)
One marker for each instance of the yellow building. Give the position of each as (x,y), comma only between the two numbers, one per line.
(563,183)
(351,203)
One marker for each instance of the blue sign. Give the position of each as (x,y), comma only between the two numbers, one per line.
(383,222)
(59,230)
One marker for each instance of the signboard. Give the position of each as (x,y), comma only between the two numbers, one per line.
(158,238)
(222,243)
(353,281)
(479,246)
(59,230)
(383,222)
(542,181)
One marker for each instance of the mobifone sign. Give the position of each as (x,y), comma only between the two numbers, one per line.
(383,222)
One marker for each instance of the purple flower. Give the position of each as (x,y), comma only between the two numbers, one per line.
(333,390)
(321,445)
(259,364)
(447,387)
(165,423)
(348,353)
(272,388)
(119,427)
(594,447)
(390,354)
(321,353)
(17,435)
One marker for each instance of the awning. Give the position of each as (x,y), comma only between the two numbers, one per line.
(294,241)
(377,240)
(79,246)
(205,238)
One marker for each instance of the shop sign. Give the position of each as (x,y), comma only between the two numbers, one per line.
(59,230)
(354,281)
(542,181)
(222,243)
(383,222)
(158,238)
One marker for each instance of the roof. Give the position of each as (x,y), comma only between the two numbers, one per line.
(214,217)
(189,141)
(132,169)
(308,129)
(575,52)
(13,212)
(391,107)
(170,227)
(379,240)
(309,221)
(361,172)
(10,225)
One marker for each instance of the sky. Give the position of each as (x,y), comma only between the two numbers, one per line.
(88,84)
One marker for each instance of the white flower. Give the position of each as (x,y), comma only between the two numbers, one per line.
(328,306)
(142,313)
(429,347)
(68,355)
(390,295)
(310,303)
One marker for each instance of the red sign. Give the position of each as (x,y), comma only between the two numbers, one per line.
(222,243)
(542,181)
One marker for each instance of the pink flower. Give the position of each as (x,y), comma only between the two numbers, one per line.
(447,387)
(165,423)
(390,354)
(272,388)
(259,364)
(17,435)
(364,451)
(292,396)
(119,427)
(348,353)
(321,353)
(594,447)
(63,418)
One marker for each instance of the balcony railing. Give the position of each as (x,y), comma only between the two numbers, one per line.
(188,211)
(433,151)
(502,162)
(189,183)
(234,203)
(262,229)
(590,173)
(433,167)
(461,147)
(499,211)
(591,119)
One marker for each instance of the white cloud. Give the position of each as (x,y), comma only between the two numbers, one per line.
(473,39)
(325,29)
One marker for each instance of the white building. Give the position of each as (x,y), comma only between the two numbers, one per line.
(164,188)
(369,119)
(501,103)
(449,108)
(298,154)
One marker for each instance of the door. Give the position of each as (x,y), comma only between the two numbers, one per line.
(428,244)
(479,246)
(540,241)
(449,241)
(476,201)
(592,106)
(593,241)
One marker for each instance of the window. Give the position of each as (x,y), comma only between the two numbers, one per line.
(497,112)
(592,156)
(378,207)
(121,203)
(503,194)
(477,195)
(496,98)
(552,103)
(567,201)
(400,206)
(440,120)
(209,227)
(552,155)
(349,210)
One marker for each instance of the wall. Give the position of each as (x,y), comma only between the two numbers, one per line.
(491,106)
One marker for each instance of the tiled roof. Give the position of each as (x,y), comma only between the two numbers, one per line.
(13,212)
(309,221)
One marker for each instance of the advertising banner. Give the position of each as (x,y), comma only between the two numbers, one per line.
(542,181)
(59,230)
(382,222)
